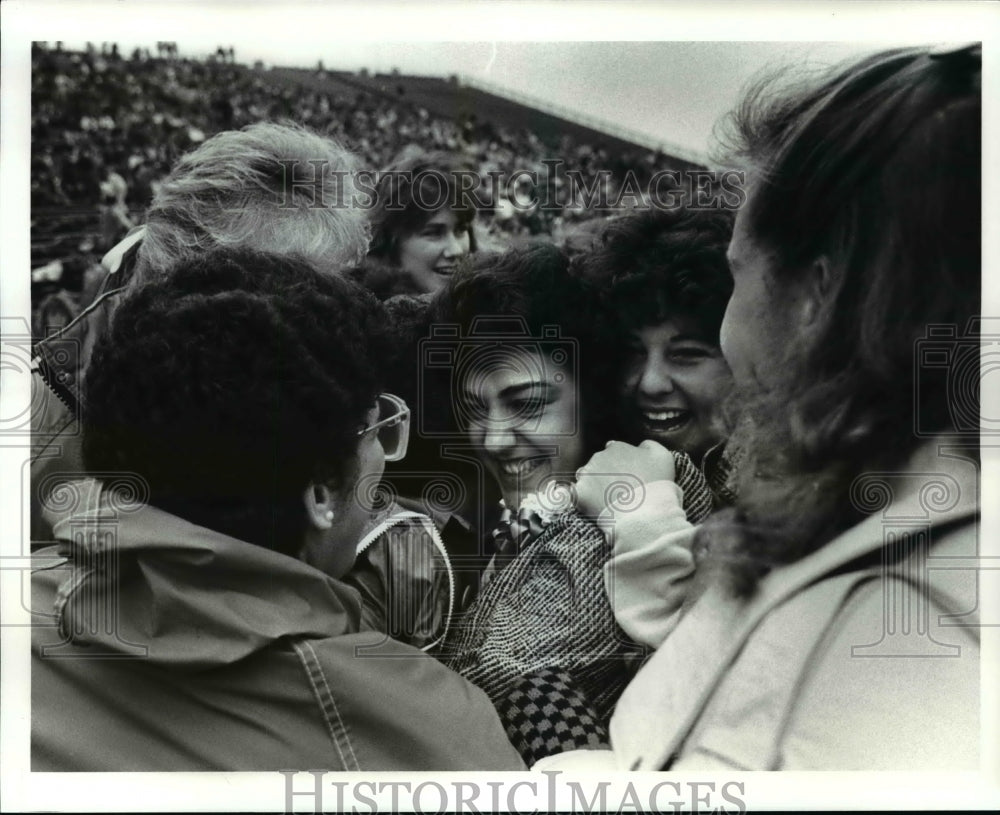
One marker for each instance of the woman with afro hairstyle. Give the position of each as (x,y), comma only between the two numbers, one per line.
(234,431)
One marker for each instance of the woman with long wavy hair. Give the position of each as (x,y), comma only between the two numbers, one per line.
(815,633)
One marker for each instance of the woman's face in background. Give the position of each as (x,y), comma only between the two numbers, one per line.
(431,254)
(675,381)
(521,410)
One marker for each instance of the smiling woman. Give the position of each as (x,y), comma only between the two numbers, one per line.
(530,374)
(431,255)
(666,283)
(421,226)
(522,415)
(518,391)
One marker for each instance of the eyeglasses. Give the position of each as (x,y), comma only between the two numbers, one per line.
(393,426)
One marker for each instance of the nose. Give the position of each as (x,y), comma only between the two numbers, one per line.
(726,335)
(455,246)
(498,437)
(655,378)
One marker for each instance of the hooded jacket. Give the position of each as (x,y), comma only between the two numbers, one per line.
(161,645)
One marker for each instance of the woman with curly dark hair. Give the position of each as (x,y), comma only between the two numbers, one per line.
(235,427)
(422,226)
(664,283)
(528,373)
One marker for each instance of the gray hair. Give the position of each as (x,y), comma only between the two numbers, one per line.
(278,188)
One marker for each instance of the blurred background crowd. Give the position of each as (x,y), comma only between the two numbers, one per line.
(107,125)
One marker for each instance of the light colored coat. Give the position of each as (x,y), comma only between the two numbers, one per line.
(861,656)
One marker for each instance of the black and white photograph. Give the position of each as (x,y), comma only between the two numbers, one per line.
(499,406)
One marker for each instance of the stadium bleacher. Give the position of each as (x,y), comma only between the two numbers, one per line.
(106,126)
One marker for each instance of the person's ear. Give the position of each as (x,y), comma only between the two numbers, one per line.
(321,506)
(816,292)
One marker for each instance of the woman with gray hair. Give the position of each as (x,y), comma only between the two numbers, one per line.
(279,188)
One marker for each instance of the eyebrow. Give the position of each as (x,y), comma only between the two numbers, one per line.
(512,391)
(517,390)
(691,338)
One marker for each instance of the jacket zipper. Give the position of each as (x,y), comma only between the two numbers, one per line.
(426,522)
(40,362)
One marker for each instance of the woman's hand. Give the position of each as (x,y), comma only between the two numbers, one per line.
(620,467)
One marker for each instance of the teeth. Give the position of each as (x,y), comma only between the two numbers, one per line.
(663,415)
(518,467)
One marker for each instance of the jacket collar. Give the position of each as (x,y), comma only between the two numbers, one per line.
(191,597)
(938,487)
(62,358)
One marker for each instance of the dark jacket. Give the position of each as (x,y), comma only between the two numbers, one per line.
(405,579)
(57,371)
(161,645)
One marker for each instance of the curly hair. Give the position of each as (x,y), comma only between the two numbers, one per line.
(383,280)
(405,198)
(275,187)
(661,263)
(231,384)
(877,168)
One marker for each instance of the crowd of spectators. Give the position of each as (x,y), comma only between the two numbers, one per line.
(107,125)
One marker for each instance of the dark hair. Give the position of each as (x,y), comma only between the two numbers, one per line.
(877,169)
(231,384)
(402,207)
(661,263)
(535,286)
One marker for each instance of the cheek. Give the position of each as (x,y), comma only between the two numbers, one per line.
(476,435)
(728,330)
(569,416)
(709,384)
(374,463)
(412,251)
(631,375)
(738,337)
